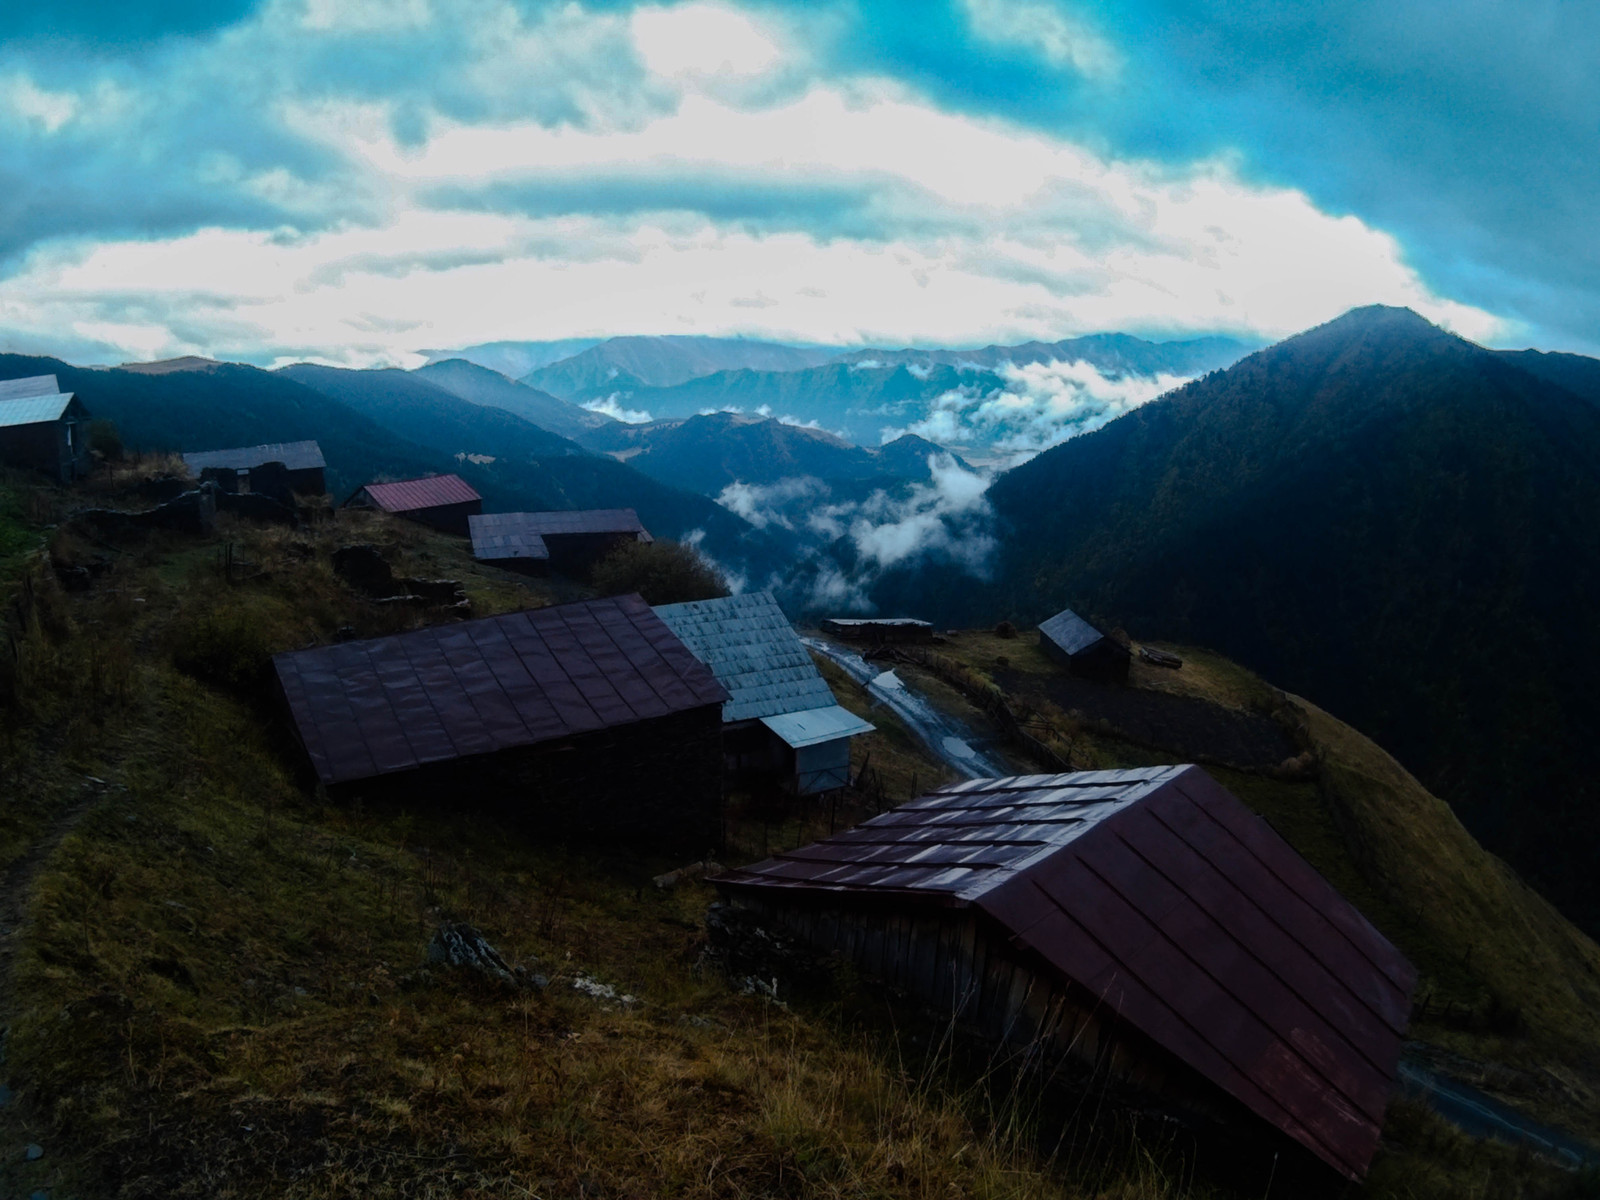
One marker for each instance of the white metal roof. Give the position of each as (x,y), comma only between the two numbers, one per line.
(753,651)
(34,385)
(816,725)
(31,410)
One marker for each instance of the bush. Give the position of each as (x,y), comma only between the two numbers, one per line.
(105,441)
(661,572)
(226,646)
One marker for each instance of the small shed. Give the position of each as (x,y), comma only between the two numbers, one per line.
(1083,649)
(590,718)
(567,541)
(273,469)
(879,630)
(1143,921)
(781,719)
(43,428)
(445,502)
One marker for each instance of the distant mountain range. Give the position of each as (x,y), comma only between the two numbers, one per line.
(1381,516)
(1115,354)
(635,362)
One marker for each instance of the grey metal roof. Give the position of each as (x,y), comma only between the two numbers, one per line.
(1070,632)
(32,410)
(816,725)
(754,652)
(34,385)
(584,520)
(506,535)
(297,456)
(866,622)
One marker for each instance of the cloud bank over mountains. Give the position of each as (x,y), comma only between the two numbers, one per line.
(352,180)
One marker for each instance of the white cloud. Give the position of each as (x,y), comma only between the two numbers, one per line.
(1044,28)
(550,185)
(611,408)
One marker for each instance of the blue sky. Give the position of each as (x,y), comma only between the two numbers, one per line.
(358,180)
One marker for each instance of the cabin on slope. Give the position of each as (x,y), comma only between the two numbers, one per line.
(590,718)
(275,469)
(444,502)
(1141,924)
(43,428)
(1083,649)
(781,721)
(570,542)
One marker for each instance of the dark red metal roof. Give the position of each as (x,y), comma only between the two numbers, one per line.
(389,704)
(434,491)
(1165,898)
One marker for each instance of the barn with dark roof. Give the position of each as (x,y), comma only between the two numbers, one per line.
(43,428)
(567,541)
(781,721)
(1144,922)
(590,718)
(1083,649)
(275,469)
(442,501)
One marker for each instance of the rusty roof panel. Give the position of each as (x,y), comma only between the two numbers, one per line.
(1160,894)
(409,495)
(371,708)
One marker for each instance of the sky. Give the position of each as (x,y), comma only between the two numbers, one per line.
(357,181)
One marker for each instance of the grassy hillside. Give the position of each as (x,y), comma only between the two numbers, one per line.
(1379,516)
(217,983)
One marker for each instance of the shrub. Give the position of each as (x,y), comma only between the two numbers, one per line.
(1005,630)
(105,441)
(661,572)
(226,646)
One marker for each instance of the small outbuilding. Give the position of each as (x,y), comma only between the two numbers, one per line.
(1083,649)
(43,428)
(445,502)
(1143,923)
(781,720)
(879,630)
(275,469)
(567,541)
(589,718)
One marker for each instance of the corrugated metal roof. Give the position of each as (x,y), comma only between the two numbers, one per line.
(432,491)
(865,622)
(33,385)
(754,652)
(816,725)
(32,410)
(505,535)
(584,520)
(297,456)
(1070,632)
(389,704)
(1162,896)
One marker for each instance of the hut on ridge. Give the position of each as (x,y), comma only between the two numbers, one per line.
(444,502)
(781,720)
(43,428)
(589,718)
(1083,649)
(1143,923)
(275,469)
(567,541)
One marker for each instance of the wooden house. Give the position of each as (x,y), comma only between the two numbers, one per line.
(1083,649)
(1142,923)
(589,718)
(43,428)
(781,720)
(276,469)
(445,502)
(570,542)
(879,630)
